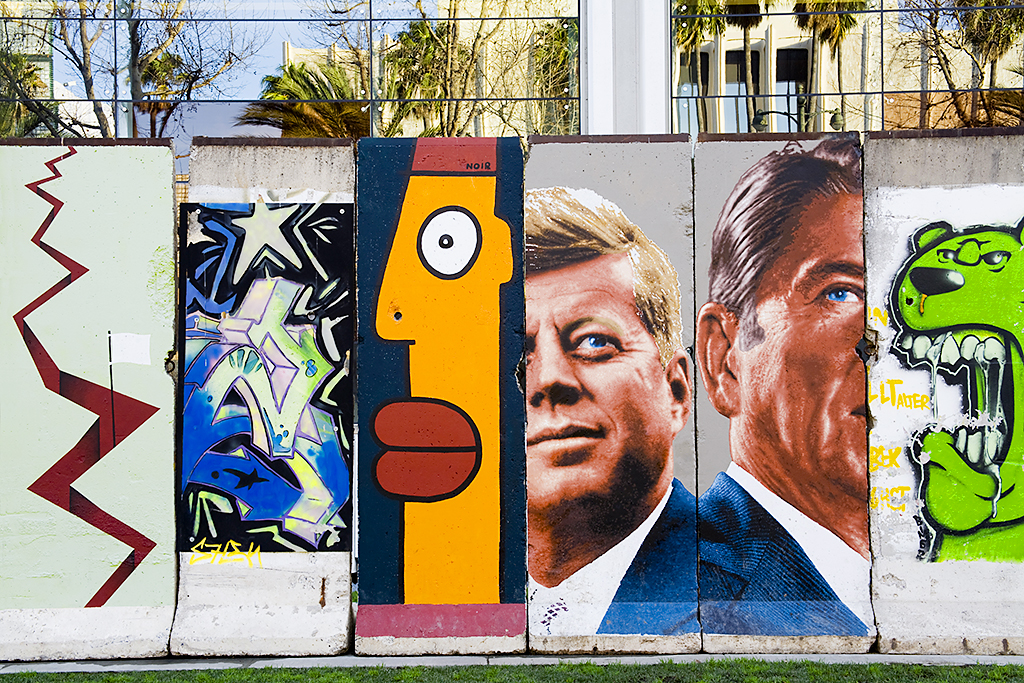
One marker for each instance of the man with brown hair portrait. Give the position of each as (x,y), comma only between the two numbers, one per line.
(611,533)
(784,530)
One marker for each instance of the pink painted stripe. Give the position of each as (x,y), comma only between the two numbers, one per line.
(440,621)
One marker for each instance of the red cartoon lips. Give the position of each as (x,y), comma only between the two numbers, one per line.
(431,449)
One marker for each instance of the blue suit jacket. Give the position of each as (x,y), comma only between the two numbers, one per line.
(755,579)
(658,594)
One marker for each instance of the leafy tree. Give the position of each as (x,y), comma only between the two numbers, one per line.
(204,51)
(690,34)
(556,75)
(990,33)
(19,84)
(830,22)
(953,37)
(443,75)
(309,102)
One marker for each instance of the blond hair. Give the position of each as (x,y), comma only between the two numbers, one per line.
(566,226)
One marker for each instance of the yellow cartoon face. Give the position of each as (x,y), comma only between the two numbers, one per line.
(449,255)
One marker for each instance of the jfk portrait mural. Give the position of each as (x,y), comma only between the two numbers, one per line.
(611,532)
(784,529)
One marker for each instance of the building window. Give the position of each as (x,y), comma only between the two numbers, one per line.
(691,108)
(734,105)
(790,84)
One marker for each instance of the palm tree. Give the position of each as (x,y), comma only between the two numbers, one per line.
(691,32)
(165,81)
(20,109)
(746,16)
(305,102)
(830,22)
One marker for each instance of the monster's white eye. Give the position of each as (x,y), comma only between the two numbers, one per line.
(449,242)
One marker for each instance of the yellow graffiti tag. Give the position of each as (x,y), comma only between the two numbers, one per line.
(894,397)
(891,497)
(880,315)
(882,457)
(221,553)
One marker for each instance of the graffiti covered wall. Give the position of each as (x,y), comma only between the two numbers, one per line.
(944,308)
(584,400)
(441,480)
(87,412)
(611,516)
(268,313)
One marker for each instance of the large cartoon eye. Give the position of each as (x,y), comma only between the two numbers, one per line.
(449,242)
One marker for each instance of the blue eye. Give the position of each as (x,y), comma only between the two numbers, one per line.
(592,342)
(840,295)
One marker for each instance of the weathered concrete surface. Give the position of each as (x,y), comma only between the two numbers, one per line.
(600,644)
(99,633)
(240,170)
(946,607)
(467,645)
(759,645)
(294,604)
(353,661)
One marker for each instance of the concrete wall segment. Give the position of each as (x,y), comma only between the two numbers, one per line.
(85,526)
(780,426)
(648,179)
(935,589)
(241,585)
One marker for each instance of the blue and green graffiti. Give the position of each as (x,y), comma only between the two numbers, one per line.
(265,446)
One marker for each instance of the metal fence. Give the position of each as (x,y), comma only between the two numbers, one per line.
(846,65)
(306,68)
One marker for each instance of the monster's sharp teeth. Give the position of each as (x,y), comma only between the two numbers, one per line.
(967,346)
(993,440)
(921,346)
(907,341)
(994,351)
(979,354)
(974,447)
(950,351)
(961,439)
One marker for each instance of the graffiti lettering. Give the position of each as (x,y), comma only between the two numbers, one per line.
(882,457)
(220,553)
(896,399)
(879,315)
(890,497)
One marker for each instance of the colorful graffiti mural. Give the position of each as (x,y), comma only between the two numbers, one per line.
(441,476)
(266,390)
(956,302)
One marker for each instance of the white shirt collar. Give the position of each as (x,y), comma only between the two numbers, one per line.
(577,606)
(842,567)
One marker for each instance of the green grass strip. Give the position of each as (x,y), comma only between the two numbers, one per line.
(731,671)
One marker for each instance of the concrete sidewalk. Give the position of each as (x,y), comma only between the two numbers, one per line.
(347,661)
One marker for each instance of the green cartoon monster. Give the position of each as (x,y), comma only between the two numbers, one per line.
(959,302)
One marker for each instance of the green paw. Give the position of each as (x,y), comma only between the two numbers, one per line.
(957,496)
